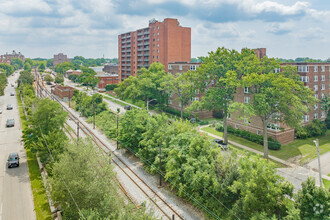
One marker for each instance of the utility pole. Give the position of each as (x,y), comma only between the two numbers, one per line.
(69,96)
(117,131)
(78,130)
(80,104)
(94,115)
(318,156)
(160,164)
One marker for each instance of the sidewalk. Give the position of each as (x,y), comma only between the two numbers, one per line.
(295,174)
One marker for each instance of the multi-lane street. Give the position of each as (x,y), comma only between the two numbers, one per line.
(16,201)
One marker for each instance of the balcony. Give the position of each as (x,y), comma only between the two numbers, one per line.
(139,39)
(139,44)
(146,60)
(123,37)
(146,54)
(140,34)
(146,43)
(139,59)
(146,48)
(146,38)
(139,50)
(140,54)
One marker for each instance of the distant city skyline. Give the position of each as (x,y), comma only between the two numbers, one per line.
(42,28)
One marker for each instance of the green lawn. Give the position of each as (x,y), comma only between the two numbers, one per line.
(326,183)
(304,148)
(41,204)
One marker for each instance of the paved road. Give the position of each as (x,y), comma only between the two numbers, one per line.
(325,163)
(16,201)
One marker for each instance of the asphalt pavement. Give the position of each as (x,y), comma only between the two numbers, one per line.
(16,200)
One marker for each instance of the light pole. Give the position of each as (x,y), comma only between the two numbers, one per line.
(118,110)
(93,115)
(160,164)
(318,156)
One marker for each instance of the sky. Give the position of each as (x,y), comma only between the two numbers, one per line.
(90,28)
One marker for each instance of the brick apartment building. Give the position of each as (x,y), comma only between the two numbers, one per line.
(111,68)
(181,67)
(63,92)
(6,58)
(107,79)
(315,76)
(60,58)
(162,42)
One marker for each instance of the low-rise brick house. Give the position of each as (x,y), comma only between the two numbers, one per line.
(72,72)
(63,92)
(107,79)
(6,58)
(316,76)
(181,67)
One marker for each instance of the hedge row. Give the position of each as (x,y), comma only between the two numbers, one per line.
(259,139)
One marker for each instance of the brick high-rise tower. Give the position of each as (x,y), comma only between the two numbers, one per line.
(162,42)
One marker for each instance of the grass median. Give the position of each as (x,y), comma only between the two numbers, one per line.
(304,150)
(40,200)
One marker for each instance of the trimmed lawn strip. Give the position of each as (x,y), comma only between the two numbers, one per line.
(40,200)
(304,148)
(326,183)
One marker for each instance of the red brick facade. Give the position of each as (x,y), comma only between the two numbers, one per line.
(6,58)
(71,72)
(60,58)
(107,80)
(63,92)
(162,42)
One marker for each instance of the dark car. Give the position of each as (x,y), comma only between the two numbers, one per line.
(127,107)
(13,160)
(12,85)
(9,107)
(10,123)
(12,94)
(221,144)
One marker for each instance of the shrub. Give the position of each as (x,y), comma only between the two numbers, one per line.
(176,112)
(202,122)
(272,144)
(110,87)
(315,129)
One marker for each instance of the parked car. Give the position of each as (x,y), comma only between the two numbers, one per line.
(12,94)
(13,160)
(127,107)
(221,144)
(9,107)
(12,85)
(10,122)
(193,120)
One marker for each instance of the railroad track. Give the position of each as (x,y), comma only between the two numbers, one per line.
(154,198)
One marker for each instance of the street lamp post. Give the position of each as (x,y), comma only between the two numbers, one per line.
(318,156)
(93,115)
(160,164)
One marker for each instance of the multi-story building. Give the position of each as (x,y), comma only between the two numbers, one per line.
(60,58)
(162,42)
(106,79)
(6,58)
(181,67)
(316,76)
(111,68)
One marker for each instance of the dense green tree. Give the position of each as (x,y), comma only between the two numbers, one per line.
(312,201)
(3,82)
(74,77)
(49,63)
(41,67)
(146,86)
(48,78)
(181,87)
(277,97)
(63,67)
(7,68)
(27,66)
(17,62)
(59,78)
(25,77)
(93,187)
(110,87)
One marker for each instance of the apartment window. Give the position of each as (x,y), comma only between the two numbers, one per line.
(153,28)
(246,89)
(157,33)
(246,121)
(157,45)
(153,34)
(197,91)
(316,96)
(315,68)
(153,57)
(274,127)
(316,78)
(316,88)
(153,45)
(316,106)
(236,126)
(303,69)
(170,101)
(153,51)
(277,70)
(323,68)
(170,67)
(157,39)
(153,39)
(192,67)
(306,118)
(157,51)
(246,100)
(304,78)
(228,116)
(323,87)
(322,96)
(322,114)
(157,27)
(322,77)
(316,116)
(157,57)
(180,67)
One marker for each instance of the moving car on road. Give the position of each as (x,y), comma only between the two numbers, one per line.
(12,94)
(10,123)
(13,160)
(9,107)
